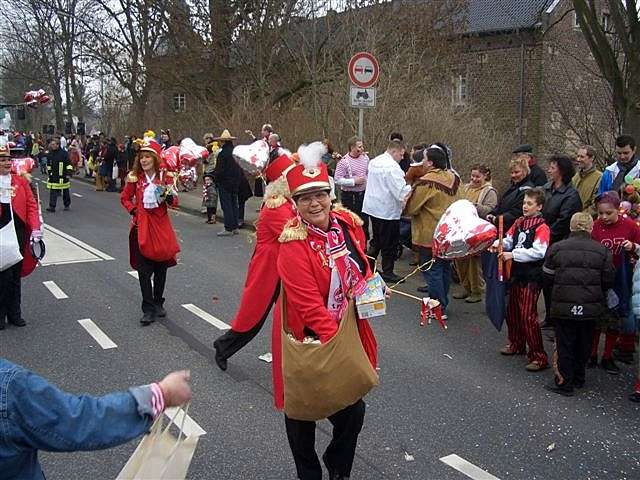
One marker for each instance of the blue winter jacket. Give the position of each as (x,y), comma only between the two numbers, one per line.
(35,415)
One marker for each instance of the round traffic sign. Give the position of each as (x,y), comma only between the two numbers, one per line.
(364,70)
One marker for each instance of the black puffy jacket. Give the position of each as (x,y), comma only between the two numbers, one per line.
(559,206)
(580,271)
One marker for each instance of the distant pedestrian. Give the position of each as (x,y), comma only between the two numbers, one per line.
(60,170)
(579,271)
(210,198)
(385,196)
(152,242)
(484,197)
(621,236)
(228,176)
(536,173)
(526,244)
(20,222)
(587,179)
(510,203)
(613,178)
(351,177)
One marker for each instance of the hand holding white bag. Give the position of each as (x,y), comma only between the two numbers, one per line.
(160,455)
(9,246)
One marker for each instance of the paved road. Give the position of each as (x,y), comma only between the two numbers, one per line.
(441,393)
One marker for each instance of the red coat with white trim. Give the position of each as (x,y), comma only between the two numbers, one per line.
(306,277)
(26,208)
(132,198)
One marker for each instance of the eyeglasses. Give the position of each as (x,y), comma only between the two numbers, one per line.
(308,199)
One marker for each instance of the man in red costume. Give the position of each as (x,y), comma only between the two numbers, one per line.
(17,205)
(262,285)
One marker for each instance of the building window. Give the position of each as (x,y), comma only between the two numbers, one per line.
(179,102)
(576,24)
(606,22)
(459,90)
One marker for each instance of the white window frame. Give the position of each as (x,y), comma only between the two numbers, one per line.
(180,102)
(575,25)
(459,90)
(606,21)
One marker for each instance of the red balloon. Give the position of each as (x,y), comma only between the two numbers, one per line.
(170,157)
(28,96)
(21,166)
(44,99)
(188,158)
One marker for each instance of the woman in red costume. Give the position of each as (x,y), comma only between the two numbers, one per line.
(262,286)
(152,242)
(17,204)
(321,265)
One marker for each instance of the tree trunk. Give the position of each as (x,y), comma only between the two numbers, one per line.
(631,123)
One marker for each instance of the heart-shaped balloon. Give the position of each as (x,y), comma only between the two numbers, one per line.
(190,152)
(252,158)
(21,166)
(170,158)
(461,232)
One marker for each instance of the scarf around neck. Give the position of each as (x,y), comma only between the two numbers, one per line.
(346,278)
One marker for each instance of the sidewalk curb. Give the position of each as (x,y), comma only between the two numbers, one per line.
(188,210)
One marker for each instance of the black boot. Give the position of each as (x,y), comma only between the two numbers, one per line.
(220,360)
(147,319)
(160,311)
(18,322)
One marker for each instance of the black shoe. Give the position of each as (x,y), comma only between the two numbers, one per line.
(593,362)
(610,366)
(52,210)
(221,362)
(624,357)
(1,324)
(578,385)
(391,278)
(635,397)
(18,322)
(333,475)
(424,289)
(160,311)
(147,319)
(66,209)
(560,389)
(547,325)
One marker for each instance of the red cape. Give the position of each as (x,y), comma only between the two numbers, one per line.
(25,206)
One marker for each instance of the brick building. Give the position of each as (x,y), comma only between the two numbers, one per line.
(527,67)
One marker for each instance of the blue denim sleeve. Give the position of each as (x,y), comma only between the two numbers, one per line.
(44,417)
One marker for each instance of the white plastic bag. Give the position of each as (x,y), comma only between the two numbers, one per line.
(9,246)
(160,455)
(116,171)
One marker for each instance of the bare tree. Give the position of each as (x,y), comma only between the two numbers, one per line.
(621,70)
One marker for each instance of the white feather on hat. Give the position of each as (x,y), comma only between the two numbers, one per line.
(311,155)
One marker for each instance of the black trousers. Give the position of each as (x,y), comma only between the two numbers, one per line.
(11,293)
(54,194)
(230,208)
(211,213)
(148,270)
(353,201)
(573,344)
(386,235)
(338,458)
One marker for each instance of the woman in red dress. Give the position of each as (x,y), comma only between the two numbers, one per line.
(17,204)
(153,245)
(322,265)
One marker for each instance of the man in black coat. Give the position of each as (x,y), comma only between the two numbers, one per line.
(227,176)
(578,271)
(536,173)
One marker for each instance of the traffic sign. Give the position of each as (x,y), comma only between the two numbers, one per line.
(364,70)
(363,97)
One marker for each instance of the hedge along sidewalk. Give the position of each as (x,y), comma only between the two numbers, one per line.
(191,203)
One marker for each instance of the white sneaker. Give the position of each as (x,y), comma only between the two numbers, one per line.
(224,233)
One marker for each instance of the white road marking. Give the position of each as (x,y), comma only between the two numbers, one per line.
(97,334)
(133,273)
(206,316)
(55,290)
(76,195)
(467,468)
(191,428)
(79,243)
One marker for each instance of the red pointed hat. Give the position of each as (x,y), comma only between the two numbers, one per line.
(279,166)
(310,174)
(152,146)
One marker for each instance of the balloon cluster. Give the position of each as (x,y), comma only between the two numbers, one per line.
(33,98)
(186,154)
(630,204)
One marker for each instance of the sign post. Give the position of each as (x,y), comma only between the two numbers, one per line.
(364,71)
